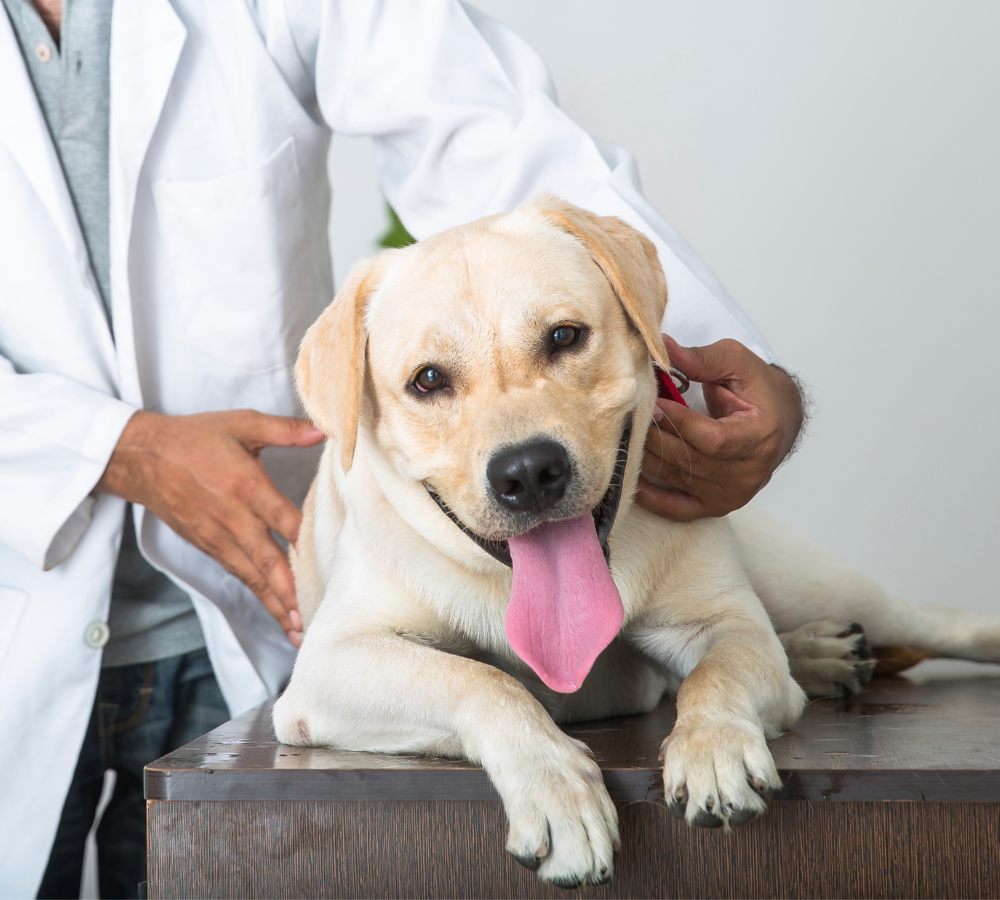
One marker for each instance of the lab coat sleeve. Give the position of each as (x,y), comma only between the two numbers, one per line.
(56,437)
(465,124)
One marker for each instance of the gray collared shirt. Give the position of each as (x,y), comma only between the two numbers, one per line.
(72,81)
(150,617)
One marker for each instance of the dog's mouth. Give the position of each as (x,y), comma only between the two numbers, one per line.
(564,607)
(604,513)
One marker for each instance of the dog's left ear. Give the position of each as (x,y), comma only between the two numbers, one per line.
(628,259)
(330,372)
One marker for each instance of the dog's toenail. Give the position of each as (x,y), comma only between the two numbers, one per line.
(710,804)
(741,817)
(706,820)
(677,804)
(529,862)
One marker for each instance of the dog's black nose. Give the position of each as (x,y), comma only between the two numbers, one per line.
(530,477)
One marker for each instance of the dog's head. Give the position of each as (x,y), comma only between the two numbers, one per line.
(504,368)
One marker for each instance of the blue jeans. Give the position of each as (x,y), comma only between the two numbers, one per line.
(140,713)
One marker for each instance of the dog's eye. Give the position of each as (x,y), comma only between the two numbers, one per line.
(564,336)
(429,379)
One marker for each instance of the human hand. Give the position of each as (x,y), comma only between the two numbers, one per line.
(714,464)
(203,476)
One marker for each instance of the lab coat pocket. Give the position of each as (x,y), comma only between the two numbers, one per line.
(246,283)
(12,604)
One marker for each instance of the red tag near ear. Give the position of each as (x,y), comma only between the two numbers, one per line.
(666,389)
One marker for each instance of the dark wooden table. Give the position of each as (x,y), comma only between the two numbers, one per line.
(893,794)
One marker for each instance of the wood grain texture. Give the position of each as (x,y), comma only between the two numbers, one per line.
(455,849)
(236,814)
(931,735)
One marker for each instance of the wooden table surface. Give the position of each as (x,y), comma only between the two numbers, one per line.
(932,734)
(236,814)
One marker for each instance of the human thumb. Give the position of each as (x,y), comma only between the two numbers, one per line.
(713,363)
(262,430)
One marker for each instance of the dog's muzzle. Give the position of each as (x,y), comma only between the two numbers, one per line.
(604,513)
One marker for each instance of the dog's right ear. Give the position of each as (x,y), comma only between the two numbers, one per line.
(330,372)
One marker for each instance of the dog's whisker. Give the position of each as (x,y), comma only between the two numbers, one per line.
(687,449)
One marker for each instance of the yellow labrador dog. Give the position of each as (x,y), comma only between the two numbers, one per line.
(472,568)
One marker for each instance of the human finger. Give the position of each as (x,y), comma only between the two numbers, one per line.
(257,430)
(228,552)
(721,362)
(719,482)
(671,450)
(676,475)
(666,444)
(275,509)
(254,538)
(669,503)
(733,437)
(233,533)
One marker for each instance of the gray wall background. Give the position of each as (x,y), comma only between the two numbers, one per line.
(837,165)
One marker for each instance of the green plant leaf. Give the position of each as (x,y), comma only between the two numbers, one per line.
(397,235)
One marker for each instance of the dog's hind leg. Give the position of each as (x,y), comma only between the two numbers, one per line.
(813,597)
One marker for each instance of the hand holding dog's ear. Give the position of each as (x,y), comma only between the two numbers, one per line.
(202,475)
(714,464)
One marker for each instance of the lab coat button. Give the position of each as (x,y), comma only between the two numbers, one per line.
(96,634)
(43,52)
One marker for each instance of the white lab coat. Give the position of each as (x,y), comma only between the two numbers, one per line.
(221,115)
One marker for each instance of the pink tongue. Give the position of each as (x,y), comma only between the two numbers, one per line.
(564,607)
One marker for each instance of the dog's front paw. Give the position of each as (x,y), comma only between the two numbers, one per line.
(562,821)
(718,773)
(829,659)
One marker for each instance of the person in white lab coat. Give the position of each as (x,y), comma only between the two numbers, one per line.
(163,247)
